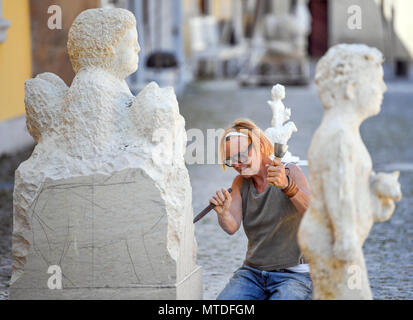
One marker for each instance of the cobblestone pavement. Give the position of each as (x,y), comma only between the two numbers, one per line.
(204,105)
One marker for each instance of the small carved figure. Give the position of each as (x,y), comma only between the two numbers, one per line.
(280,130)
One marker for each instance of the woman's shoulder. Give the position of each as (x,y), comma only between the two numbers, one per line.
(238,180)
(239,184)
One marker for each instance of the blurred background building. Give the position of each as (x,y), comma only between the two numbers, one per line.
(256,42)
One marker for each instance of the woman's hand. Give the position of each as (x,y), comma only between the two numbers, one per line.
(276,174)
(222,200)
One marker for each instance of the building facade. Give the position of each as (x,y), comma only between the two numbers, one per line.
(15,68)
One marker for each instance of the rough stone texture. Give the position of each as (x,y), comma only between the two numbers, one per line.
(280,130)
(105,194)
(347,197)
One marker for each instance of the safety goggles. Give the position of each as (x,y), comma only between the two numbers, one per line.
(240,158)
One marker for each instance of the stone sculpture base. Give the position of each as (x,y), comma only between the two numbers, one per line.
(188,289)
(110,236)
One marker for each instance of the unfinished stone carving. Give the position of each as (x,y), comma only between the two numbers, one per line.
(105,196)
(347,197)
(280,130)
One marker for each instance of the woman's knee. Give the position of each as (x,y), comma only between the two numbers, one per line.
(297,287)
(242,286)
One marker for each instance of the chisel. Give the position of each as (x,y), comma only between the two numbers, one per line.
(207,209)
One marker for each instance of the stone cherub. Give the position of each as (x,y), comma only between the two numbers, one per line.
(96,126)
(346,196)
(281,129)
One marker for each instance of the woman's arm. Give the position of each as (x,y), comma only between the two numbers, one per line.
(301,199)
(228,207)
(277,175)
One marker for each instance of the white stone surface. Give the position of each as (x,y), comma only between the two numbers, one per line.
(347,197)
(281,129)
(105,194)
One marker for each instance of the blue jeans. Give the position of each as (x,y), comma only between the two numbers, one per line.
(249,283)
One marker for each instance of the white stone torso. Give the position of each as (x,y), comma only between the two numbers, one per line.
(95,112)
(361,170)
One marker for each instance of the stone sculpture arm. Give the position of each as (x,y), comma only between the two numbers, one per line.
(338,192)
(44,98)
(385,189)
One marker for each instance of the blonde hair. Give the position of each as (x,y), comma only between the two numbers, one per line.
(255,135)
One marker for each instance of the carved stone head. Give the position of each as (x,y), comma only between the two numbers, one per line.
(105,38)
(350,76)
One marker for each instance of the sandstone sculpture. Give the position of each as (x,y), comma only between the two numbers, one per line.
(105,196)
(346,196)
(281,129)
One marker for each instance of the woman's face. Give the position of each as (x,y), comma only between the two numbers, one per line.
(236,145)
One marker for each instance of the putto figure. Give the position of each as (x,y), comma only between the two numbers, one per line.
(347,197)
(281,128)
(105,196)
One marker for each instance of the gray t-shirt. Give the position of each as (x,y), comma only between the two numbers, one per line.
(271,222)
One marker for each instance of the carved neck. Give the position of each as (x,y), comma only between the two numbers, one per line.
(116,77)
(347,118)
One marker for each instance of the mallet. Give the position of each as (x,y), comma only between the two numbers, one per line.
(280,150)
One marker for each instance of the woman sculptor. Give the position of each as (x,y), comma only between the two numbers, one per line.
(270,200)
